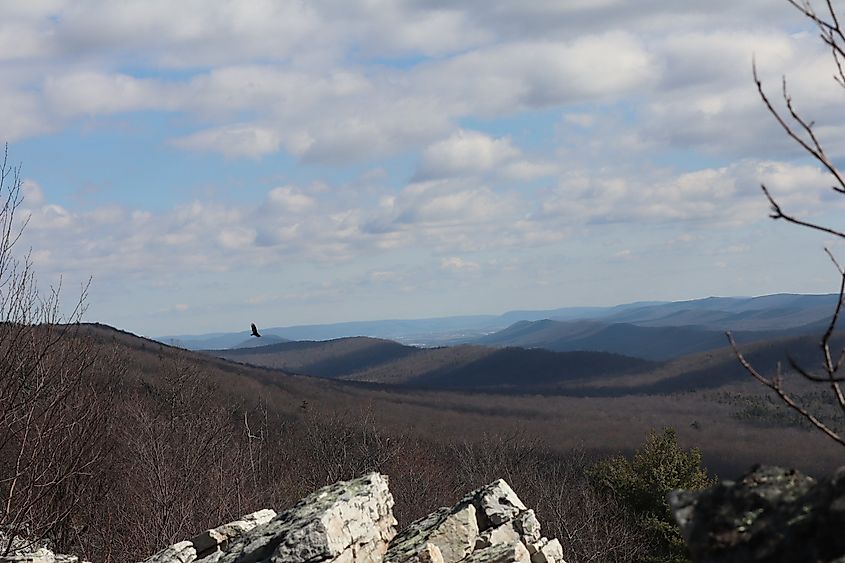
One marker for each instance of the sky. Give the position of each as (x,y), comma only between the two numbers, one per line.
(211,163)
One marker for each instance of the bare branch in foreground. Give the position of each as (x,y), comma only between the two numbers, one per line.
(775,384)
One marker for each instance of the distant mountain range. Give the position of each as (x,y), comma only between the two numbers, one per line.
(647,330)
(666,331)
(521,370)
(646,342)
(265,340)
(373,360)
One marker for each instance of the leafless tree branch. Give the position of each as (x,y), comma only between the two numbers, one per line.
(802,132)
(776,385)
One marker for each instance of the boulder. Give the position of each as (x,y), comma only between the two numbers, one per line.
(497,503)
(452,531)
(345,522)
(181,552)
(23,551)
(218,539)
(500,553)
(490,524)
(549,551)
(769,515)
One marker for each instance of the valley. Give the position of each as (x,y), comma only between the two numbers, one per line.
(597,401)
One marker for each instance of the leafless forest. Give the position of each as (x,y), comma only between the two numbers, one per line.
(146,444)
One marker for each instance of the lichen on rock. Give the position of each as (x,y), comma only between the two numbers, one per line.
(769,515)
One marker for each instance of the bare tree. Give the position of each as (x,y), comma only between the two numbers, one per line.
(50,407)
(803,132)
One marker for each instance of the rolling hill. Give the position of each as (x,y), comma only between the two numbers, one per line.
(657,343)
(765,313)
(599,414)
(527,370)
(266,340)
(459,367)
(330,359)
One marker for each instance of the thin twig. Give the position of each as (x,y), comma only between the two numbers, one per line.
(775,385)
(777,213)
(816,151)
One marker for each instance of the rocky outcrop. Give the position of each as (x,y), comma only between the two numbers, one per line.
(769,515)
(21,550)
(41,555)
(345,522)
(490,524)
(352,522)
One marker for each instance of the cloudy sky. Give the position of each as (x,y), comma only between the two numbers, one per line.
(212,163)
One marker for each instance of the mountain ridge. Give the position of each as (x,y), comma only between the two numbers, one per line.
(794,310)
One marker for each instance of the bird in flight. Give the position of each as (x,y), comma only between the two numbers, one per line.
(254,330)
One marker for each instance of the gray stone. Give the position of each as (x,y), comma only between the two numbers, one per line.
(500,534)
(769,515)
(528,526)
(40,555)
(504,530)
(182,552)
(534,547)
(500,553)
(430,554)
(550,552)
(497,503)
(347,521)
(452,530)
(218,538)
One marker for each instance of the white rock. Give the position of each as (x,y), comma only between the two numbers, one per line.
(431,554)
(534,547)
(347,521)
(219,537)
(500,553)
(528,526)
(182,552)
(498,503)
(40,555)
(552,552)
(452,530)
(500,534)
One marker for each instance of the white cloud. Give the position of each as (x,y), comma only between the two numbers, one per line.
(457,264)
(96,93)
(705,198)
(21,114)
(579,118)
(623,254)
(433,203)
(465,152)
(32,193)
(525,170)
(697,59)
(236,237)
(508,78)
(21,42)
(51,217)
(401,27)
(289,198)
(190,33)
(708,102)
(242,140)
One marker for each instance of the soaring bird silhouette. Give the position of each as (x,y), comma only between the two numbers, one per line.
(254,330)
